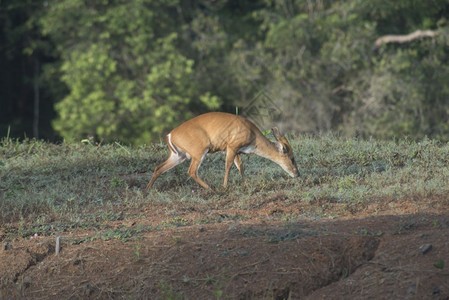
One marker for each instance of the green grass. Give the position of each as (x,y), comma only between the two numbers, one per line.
(51,188)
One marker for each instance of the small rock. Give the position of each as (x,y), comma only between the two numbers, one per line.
(411,289)
(243,253)
(89,290)
(6,246)
(424,235)
(26,281)
(425,248)
(436,290)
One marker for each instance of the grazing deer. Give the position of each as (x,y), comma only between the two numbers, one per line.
(217,131)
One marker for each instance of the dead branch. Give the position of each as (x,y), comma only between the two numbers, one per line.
(404,38)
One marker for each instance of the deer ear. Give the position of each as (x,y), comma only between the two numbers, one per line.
(281,147)
(276,133)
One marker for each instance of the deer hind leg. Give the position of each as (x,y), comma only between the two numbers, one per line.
(238,163)
(172,161)
(193,170)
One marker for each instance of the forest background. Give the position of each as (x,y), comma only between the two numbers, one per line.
(129,71)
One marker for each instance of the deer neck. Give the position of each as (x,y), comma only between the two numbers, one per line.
(267,149)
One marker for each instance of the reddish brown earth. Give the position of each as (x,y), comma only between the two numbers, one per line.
(371,253)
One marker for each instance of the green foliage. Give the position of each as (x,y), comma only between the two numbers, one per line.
(408,93)
(23,54)
(439,264)
(132,70)
(319,58)
(127,79)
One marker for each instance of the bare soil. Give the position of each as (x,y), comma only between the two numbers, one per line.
(396,250)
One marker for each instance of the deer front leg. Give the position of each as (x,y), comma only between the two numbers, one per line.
(239,164)
(230,155)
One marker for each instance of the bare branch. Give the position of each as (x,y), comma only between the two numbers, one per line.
(404,38)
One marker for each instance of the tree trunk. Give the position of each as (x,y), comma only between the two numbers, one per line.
(36,100)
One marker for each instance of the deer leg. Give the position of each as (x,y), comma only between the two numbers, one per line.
(193,172)
(238,163)
(172,161)
(230,155)
(194,167)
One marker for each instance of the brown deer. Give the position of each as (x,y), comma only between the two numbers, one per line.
(217,131)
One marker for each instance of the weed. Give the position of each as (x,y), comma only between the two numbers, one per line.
(167,291)
(186,279)
(439,264)
(278,237)
(117,182)
(289,217)
(405,226)
(210,280)
(364,231)
(435,223)
(137,248)
(123,234)
(175,222)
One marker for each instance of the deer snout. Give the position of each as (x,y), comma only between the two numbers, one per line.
(294,174)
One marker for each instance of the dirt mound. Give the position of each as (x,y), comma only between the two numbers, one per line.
(15,260)
(375,257)
(400,270)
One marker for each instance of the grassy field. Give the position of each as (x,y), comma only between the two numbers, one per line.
(79,185)
(49,190)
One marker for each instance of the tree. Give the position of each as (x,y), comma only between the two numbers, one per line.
(25,100)
(309,53)
(127,80)
(318,61)
(405,91)
(132,70)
